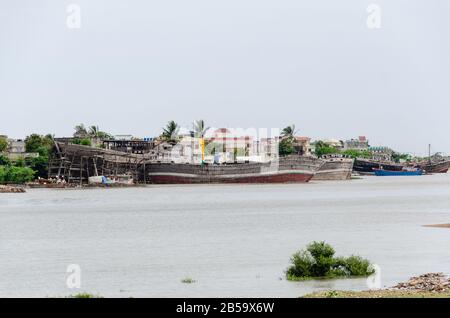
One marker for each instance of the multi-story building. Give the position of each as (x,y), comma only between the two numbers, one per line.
(362,143)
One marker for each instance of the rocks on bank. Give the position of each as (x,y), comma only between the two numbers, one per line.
(10,189)
(431,285)
(431,282)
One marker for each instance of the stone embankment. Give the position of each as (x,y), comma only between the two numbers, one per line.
(10,189)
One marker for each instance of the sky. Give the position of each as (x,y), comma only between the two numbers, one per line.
(131,66)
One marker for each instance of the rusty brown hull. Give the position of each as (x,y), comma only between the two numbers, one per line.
(279,178)
(292,169)
(435,167)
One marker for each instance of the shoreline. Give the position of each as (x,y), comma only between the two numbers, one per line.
(430,285)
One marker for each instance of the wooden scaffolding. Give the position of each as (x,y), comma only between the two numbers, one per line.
(76,163)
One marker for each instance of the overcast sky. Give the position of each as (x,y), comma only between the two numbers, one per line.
(134,65)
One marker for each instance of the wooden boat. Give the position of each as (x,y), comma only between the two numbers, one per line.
(293,168)
(336,167)
(434,164)
(435,167)
(367,166)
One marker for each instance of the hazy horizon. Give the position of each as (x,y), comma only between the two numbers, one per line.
(133,66)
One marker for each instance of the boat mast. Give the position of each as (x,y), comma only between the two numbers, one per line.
(429,153)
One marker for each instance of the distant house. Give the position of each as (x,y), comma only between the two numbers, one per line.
(381,153)
(136,146)
(16,149)
(225,142)
(302,145)
(267,148)
(123,137)
(16,146)
(361,143)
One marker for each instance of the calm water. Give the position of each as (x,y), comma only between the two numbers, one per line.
(234,240)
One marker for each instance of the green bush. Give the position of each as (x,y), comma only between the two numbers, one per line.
(3,144)
(82,141)
(318,260)
(286,147)
(4,161)
(358,266)
(12,174)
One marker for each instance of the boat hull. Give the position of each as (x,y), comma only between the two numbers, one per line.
(367,166)
(386,173)
(274,178)
(335,169)
(295,169)
(435,167)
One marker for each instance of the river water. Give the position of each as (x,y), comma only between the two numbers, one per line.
(233,240)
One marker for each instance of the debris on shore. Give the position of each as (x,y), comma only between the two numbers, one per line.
(431,282)
(10,189)
(430,285)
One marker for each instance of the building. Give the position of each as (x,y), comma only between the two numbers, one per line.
(16,149)
(16,146)
(361,143)
(381,153)
(229,146)
(267,148)
(136,146)
(302,145)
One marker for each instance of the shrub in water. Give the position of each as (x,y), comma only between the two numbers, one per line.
(358,266)
(318,260)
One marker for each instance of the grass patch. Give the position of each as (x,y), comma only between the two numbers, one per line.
(85,295)
(188,280)
(318,261)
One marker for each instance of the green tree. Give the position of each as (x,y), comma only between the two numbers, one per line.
(170,132)
(42,145)
(80,131)
(321,149)
(397,157)
(3,144)
(4,161)
(82,141)
(17,175)
(287,142)
(318,260)
(286,147)
(95,132)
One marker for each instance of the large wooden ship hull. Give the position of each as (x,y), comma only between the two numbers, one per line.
(290,169)
(435,167)
(335,169)
(367,166)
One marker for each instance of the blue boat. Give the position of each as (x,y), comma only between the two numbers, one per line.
(385,173)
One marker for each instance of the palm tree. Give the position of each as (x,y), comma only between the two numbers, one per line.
(199,132)
(93,131)
(289,132)
(170,132)
(199,128)
(80,131)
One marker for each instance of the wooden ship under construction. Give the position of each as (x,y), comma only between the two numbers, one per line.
(77,163)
